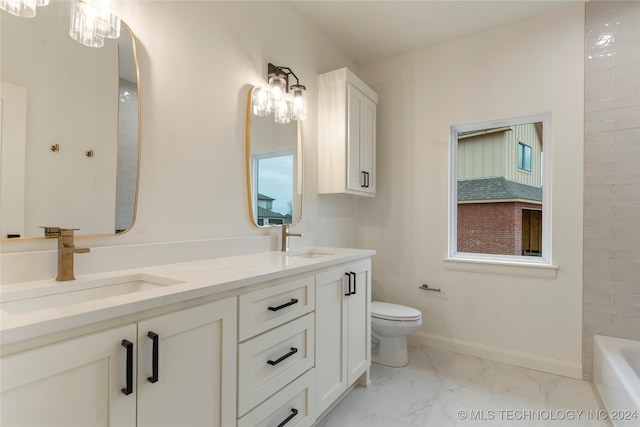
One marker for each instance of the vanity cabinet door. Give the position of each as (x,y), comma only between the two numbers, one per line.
(359,321)
(78,382)
(343,330)
(331,337)
(191,378)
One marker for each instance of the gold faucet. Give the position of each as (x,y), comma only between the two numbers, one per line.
(66,249)
(285,237)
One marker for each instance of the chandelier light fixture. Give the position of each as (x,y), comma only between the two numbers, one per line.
(22,8)
(91,20)
(284,101)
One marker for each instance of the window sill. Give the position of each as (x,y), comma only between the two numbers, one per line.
(502,267)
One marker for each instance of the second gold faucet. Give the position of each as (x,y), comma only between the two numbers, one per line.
(285,237)
(66,249)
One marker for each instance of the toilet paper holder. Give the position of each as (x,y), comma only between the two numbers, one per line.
(426,287)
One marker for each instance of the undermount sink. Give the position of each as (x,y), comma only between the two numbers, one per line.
(57,294)
(308,253)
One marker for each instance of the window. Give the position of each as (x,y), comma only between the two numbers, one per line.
(498,207)
(524,157)
(273,195)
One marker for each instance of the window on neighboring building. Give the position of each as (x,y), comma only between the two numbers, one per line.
(498,209)
(272,190)
(524,156)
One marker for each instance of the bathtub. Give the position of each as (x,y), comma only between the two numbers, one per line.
(616,376)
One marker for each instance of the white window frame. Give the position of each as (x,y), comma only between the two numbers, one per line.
(455,130)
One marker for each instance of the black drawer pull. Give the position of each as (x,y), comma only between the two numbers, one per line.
(349,276)
(294,412)
(280,307)
(291,353)
(154,357)
(128,345)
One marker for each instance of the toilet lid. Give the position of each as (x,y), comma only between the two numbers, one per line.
(388,311)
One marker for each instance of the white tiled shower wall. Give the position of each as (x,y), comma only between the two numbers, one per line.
(612,174)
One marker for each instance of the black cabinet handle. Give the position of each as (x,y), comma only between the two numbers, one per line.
(154,357)
(294,412)
(364,179)
(291,353)
(128,345)
(349,276)
(354,282)
(280,307)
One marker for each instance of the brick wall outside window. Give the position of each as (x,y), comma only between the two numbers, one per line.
(491,228)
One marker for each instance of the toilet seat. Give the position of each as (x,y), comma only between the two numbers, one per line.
(394,312)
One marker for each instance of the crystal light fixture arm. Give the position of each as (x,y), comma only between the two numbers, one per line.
(286,71)
(284,101)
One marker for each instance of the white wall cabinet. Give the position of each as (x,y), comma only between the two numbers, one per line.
(346,134)
(343,330)
(83,381)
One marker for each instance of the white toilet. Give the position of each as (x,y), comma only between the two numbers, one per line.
(390,325)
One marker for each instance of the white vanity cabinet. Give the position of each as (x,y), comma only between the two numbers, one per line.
(90,381)
(276,346)
(346,134)
(343,330)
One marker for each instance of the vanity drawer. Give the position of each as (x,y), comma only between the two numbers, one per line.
(297,400)
(267,308)
(272,360)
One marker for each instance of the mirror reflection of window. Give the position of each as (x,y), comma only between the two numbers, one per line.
(499,194)
(274,197)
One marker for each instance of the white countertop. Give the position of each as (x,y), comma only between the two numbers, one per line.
(198,279)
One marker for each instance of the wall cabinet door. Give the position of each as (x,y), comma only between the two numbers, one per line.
(343,330)
(77,382)
(191,378)
(361,141)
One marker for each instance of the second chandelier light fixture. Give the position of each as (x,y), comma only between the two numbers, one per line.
(284,101)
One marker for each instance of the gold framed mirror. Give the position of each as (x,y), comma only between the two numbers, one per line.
(71,128)
(274,163)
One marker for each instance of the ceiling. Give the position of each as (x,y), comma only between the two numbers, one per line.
(370,30)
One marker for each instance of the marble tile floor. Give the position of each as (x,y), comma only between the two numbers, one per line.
(440,388)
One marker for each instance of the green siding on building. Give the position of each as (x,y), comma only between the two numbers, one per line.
(495,154)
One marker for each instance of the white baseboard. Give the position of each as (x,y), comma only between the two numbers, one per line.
(545,364)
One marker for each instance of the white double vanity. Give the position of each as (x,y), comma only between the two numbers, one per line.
(254,340)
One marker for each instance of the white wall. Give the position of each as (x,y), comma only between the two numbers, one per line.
(530,66)
(198,61)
